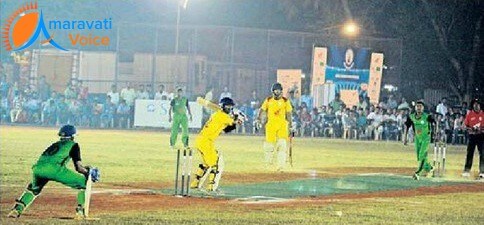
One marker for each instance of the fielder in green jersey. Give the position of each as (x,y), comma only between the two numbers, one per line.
(52,166)
(423,128)
(179,106)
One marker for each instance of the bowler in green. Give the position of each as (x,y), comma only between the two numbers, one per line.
(179,108)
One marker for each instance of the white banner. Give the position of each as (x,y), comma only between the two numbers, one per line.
(154,113)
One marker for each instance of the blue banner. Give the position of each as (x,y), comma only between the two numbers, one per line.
(348,68)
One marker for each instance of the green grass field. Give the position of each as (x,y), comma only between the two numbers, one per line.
(141,160)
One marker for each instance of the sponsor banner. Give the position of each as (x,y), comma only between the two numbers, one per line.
(154,113)
(374,84)
(319,65)
(290,80)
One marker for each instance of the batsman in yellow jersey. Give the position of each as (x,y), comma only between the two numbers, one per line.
(222,120)
(279,121)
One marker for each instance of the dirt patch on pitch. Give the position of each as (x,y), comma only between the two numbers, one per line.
(114,198)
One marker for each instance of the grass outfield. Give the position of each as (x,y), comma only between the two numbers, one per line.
(142,160)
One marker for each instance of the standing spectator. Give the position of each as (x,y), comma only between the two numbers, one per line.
(294,100)
(474,123)
(49,113)
(83,90)
(161,94)
(442,107)
(150,91)
(113,95)
(336,104)
(43,89)
(403,105)
(128,94)
(207,112)
(225,93)
(70,92)
(458,128)
(464,108)
(142,93)
(209,94)
(362,104)
(254,100)
(123,113)
(391,102)
(4,86)
(306,98)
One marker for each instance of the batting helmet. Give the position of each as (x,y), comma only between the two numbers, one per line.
(224,102)
(67,131)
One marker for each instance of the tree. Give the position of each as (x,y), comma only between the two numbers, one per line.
(461,20)
(442,39)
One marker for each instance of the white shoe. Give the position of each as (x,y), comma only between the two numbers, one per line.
(416,176)
(466,174)
(481,176)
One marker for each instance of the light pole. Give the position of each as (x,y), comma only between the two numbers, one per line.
(184,5)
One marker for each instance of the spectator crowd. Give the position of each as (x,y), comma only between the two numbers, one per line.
(40,105)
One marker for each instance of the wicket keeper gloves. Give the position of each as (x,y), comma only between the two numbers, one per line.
(95,174)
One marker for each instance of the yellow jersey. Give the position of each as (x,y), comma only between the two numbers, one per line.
(276,109)
(216,124)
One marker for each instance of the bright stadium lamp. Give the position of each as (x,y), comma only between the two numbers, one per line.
(350,29)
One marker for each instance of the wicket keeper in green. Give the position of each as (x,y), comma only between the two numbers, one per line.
(423,128)
(52,166)
(179,106)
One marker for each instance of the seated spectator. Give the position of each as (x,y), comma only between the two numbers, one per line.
(361,122)
(108,114)
(375,119)
(123,114)
(349,123)
(97,109)
(32,107)
(74,108)
(305,118)
(458,130)
(63,110)
(17,108)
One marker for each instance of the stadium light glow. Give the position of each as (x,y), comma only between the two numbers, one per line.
(350,29)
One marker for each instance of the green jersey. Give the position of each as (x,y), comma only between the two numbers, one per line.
(60,153)
(421,125)
(179,105)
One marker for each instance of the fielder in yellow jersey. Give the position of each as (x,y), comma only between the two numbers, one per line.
(279,121)
(221,120)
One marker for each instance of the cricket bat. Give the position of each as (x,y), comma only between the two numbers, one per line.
(290,147)
(87,196)
(208,104)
